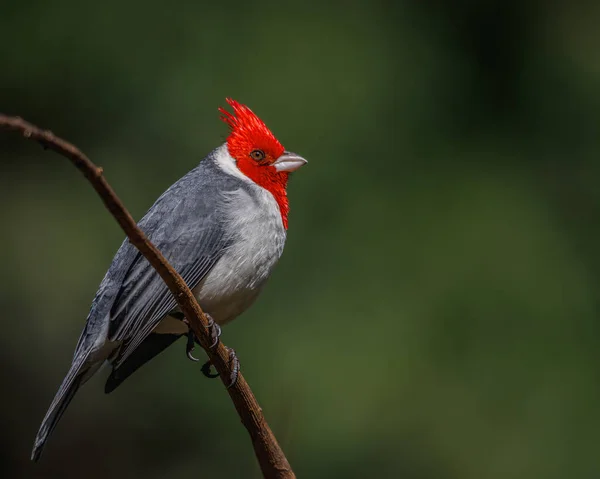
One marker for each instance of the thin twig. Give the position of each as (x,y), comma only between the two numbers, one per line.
(271,458)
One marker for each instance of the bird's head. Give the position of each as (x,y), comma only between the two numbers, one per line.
(258,154)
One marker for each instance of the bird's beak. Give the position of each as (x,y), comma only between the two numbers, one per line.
(289,162)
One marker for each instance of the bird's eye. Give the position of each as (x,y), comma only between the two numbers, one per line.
(257,155)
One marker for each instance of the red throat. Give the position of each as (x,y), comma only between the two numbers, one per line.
(249,134)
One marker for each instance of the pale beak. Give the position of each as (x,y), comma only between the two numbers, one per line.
(289,162)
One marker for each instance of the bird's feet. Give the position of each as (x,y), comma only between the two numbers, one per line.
(214,332)
(234,364)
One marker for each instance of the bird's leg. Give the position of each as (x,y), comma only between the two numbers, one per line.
(234,364)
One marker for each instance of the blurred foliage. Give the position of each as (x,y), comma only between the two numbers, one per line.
(435,314)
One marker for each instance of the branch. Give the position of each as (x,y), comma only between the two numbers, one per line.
(271,458)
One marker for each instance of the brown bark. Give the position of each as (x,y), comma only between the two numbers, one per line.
(271,458)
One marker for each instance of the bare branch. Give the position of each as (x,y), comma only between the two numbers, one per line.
(271,458)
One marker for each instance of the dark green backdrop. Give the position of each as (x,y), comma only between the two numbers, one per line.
(435,314)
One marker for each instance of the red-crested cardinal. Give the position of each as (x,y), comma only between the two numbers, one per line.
(222,226)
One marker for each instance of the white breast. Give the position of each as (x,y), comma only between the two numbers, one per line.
(257,240)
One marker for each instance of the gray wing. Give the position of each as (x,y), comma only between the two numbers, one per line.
(145,299)
(186,224)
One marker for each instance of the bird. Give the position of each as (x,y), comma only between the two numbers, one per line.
(222,226)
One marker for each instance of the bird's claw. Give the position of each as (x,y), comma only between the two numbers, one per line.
(189,347)
(191,338)
(214,331)
(234,364)
(206,370)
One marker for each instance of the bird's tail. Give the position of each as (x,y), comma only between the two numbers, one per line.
(77,375)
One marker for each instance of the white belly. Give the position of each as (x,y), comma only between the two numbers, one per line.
(237,278)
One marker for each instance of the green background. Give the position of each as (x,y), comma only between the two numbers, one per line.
(435,314)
